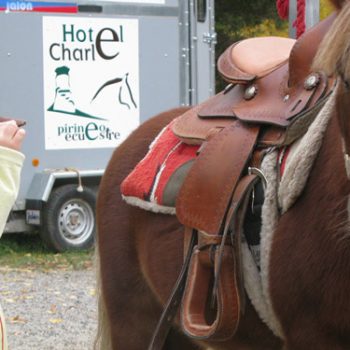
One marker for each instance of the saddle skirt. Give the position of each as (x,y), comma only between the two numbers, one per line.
(155,181)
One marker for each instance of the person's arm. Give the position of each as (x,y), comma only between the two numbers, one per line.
(11,161)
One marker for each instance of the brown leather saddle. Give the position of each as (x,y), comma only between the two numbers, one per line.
(270,101)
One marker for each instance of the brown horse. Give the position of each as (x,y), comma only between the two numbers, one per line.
(141,253)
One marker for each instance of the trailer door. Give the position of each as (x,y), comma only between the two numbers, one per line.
(202,41)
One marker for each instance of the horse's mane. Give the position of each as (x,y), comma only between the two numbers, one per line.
(333,55)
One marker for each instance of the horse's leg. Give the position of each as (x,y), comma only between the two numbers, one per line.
(131,307)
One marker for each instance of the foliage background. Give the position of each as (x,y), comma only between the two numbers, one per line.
(239,19)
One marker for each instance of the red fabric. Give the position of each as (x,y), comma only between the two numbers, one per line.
(152,173)
(299,23)
(177,158)
(283,8)
(283,12)
(283,156)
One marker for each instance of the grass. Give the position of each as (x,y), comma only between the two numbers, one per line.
(23,251)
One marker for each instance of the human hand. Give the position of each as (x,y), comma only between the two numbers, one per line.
(11,135)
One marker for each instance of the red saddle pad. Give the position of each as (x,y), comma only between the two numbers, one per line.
(156,179)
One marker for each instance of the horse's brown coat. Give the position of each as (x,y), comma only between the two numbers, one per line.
(310,259)
(338,3)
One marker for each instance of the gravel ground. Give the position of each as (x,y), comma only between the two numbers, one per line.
(49,310)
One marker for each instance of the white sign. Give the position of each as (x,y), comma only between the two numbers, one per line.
(91,81)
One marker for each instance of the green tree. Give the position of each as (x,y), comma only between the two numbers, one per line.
(325,8)
(239,19)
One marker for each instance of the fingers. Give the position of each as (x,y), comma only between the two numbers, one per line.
(11,135)
(11,122)
(18,138)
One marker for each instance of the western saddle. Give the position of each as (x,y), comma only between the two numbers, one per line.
(272,98)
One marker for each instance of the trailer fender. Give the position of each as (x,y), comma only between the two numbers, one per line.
(44,182)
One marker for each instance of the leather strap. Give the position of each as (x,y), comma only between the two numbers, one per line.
(198,291)
(204,196)
(230,263)
(303,52)
(166,320)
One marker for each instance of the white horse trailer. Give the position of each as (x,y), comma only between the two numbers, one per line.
(83,75)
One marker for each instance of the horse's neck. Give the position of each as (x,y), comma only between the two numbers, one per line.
(343,113)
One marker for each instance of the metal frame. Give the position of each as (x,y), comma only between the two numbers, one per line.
(43,183)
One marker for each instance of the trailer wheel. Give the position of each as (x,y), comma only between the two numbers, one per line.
(69,219)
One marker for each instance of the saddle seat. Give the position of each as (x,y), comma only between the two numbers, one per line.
(254,58)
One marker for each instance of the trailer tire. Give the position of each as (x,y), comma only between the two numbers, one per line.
(69,221)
